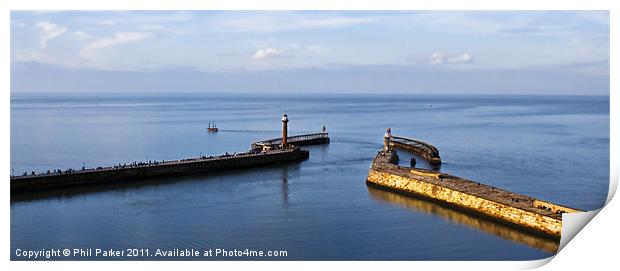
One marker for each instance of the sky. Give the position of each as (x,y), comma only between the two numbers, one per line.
(417,52)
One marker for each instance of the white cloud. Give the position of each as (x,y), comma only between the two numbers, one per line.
(117,39)
(268,53)
(48,31)
(437,58)
(441,58)
(460,58)
(334,22)
(80,35)
(282,21)
(289,50)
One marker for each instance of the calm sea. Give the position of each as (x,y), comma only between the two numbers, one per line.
(552,147)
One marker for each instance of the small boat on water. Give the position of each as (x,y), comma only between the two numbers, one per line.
(212,127)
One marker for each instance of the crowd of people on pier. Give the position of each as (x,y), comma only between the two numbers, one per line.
(55,171)
(138,164)
(559,212)
(134,164)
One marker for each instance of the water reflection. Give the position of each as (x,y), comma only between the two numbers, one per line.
(472,221)
(69,192)
(284,186)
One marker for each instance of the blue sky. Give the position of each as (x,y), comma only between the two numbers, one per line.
(502,52)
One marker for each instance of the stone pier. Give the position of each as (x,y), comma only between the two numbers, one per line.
(501,205)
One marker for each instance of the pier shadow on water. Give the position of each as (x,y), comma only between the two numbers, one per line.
(464,218)
(284,186)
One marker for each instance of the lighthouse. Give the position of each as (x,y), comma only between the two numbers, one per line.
(386,140)
(284,130)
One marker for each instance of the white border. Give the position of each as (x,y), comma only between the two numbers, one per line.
(308,5)
(594,247)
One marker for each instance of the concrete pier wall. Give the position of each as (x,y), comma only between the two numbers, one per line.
(537,222)
(178,167)
(518,210)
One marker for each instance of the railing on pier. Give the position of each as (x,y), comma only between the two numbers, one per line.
(423,149)
(299,140)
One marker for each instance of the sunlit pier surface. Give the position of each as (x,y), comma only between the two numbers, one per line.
(267,152)
(518,210)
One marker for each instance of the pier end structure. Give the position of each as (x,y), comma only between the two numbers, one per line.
(287,141)
(517,210)
(420,148)
(297,140)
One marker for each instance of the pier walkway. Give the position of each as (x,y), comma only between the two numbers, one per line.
(298,140)
(145,170)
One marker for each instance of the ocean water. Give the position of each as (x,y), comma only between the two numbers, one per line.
(551,147)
